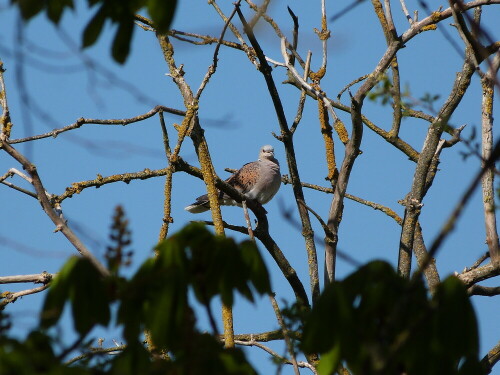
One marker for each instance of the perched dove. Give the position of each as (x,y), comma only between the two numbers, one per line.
(259,180)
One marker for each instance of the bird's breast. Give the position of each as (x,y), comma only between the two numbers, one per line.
(268,183)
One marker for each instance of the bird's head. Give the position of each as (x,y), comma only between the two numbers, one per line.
(266,152)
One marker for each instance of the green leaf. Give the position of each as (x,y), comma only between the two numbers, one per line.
(90,302)
(81,283)
(256,266)
(57,294)
(55,9)
(135,359)
(162,13)
(329,361)
(30,8)
(123,39)
(94,28)
(332,307)
(455,320)
(234,362)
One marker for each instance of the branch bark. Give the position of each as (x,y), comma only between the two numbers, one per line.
(421,178)
(488,180)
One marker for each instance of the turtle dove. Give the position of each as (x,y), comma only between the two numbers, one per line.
(259,180)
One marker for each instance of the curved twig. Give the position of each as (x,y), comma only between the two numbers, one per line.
(82,121)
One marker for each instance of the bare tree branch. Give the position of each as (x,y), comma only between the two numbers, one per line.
(420,180)
(479,290)
(8,297)
(5,122)
(286,137)
(488,180)
(491,358)
(471,277)
(48,208)
(286,337)
(82,121)
(276,355)
(38,278)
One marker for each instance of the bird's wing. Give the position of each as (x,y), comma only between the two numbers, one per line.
(245,178)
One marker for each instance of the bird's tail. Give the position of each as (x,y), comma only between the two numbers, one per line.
(198,207)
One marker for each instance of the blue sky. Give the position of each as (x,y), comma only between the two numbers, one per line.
(238,117)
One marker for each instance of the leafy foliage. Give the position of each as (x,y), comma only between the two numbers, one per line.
(374,321)
(384,91)
(119,12)
(79,283)
(154,299)
(380,323)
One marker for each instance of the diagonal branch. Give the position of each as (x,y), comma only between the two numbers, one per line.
(423,177)
(47,206)
(287,139)
(491,358)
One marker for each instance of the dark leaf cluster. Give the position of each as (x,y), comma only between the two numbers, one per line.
(155,299)
(119,12)
(380,323)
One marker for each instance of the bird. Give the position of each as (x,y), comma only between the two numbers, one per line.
(259,180)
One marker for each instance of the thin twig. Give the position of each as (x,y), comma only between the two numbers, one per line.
(405,11)
(8,297)
(276,355)
(350,84)
(96,351)
(5,122)
(278,32)
(18,188)
(250,54)
(303,93)
(247,220)
(167,189)
(318,94)
(213,68)
(295,36)
(284,329)
(478,262)
(82,121)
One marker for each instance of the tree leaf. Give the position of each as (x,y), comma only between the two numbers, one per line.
(90,302)
(57,294)
(29,8)
(94,28)
(122,40)
(455,320)
(162,13)
(329,361)
(255,265)
(55,9)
